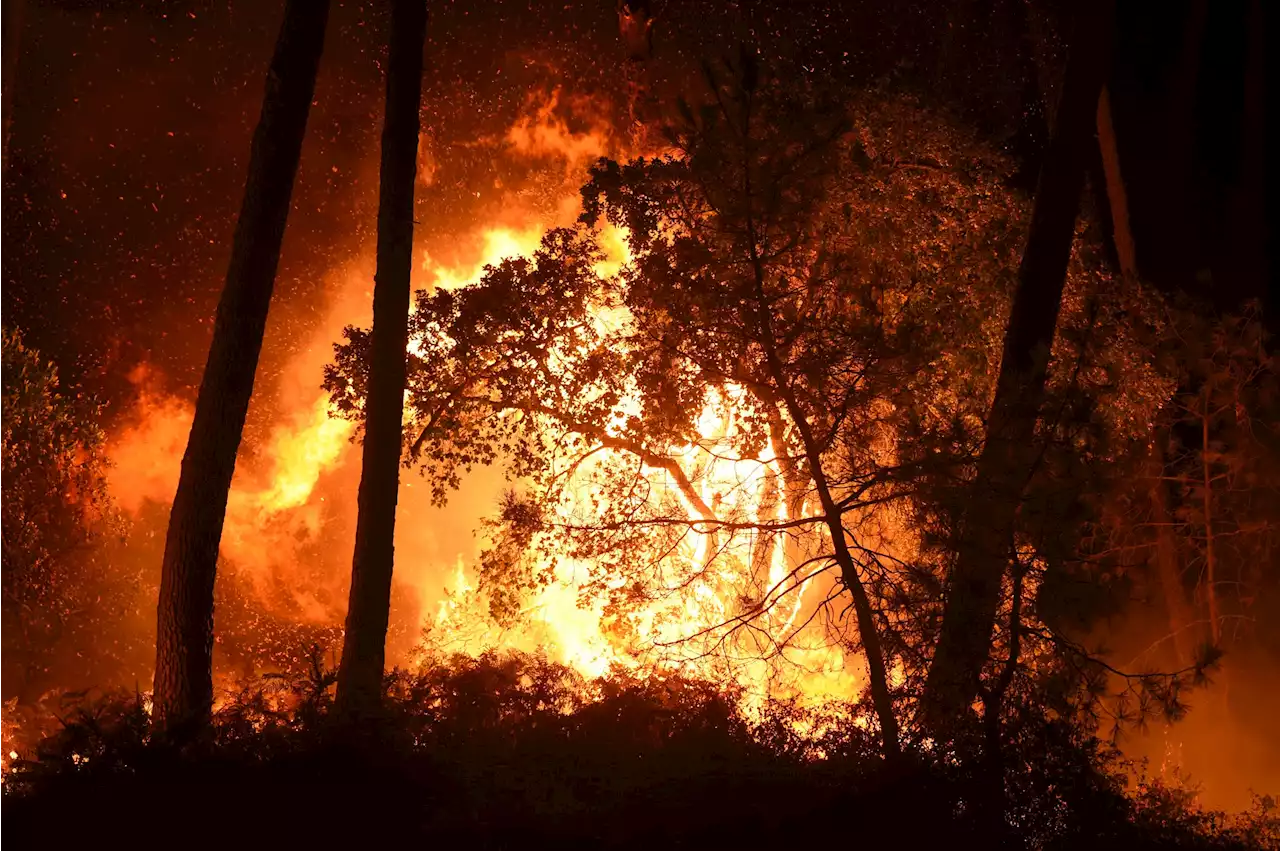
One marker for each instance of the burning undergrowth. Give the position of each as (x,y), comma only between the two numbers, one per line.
(513,750)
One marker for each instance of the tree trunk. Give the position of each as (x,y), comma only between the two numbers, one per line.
(1178,607)
(10,33)
(864,614)
(1117,198)
(1206,496)
(986,533)
(364,645)
(184,629)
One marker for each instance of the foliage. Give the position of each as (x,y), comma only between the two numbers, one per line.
(56,512)
(514,751)
(1221,462)
(815,294)
(1188,520)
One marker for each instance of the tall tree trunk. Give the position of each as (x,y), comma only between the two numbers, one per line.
(10,33)
(1206,497)
(1178,151)
(987,530)
(1117,198)
(1177,606)
(184,628)
(364,645)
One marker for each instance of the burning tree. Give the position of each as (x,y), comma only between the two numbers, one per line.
(731,435)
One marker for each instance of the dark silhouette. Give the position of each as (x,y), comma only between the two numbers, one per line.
(513,751)
(184,624)
(364,646)
(1117,199)
(986,539)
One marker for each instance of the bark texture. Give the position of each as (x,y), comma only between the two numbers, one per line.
(184,629)
(986,532)
(368,607)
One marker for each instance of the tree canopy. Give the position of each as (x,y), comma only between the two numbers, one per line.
(55,512)
(775,398)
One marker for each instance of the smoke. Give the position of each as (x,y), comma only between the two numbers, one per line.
(287,537)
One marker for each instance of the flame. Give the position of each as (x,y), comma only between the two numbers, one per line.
(273,510)
(572,627)
(545,134)
(146,454)
(496,245)
(300,453)
(291,510)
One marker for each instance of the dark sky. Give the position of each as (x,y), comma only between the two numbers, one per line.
(129,141)
(130,128)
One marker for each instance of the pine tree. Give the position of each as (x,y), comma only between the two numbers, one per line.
(184,629)
(364,646)
(1007,456)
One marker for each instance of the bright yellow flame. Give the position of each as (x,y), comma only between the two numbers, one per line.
(300,454)
(277,499)
(497,244)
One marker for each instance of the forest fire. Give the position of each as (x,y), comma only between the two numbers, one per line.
(806,413)
(277,502)
(279,509)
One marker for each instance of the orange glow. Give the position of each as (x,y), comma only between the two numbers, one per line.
(495,245)
(292,505)
(146,454)
(546,134)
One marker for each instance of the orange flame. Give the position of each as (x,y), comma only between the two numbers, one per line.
(286,490)
(546,134)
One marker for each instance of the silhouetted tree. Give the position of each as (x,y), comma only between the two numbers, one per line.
(1216,470)
(801,265)
(986,539)
(1117,194)
(55,512)
(767,261)
(184,629)
(364,645)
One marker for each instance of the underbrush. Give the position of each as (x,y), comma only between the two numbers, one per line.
(515,752)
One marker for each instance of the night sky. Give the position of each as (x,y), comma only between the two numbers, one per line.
(130,134)
(130,125)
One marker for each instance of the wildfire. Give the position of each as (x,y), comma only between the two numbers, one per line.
(497,244)
(292,499)
(300,454)
(546,134)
